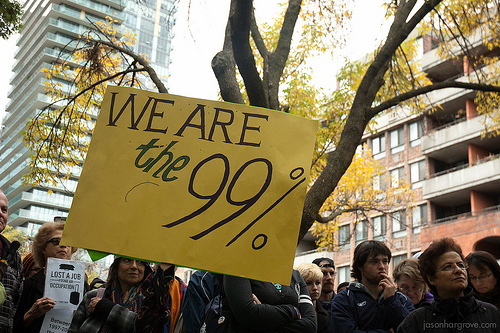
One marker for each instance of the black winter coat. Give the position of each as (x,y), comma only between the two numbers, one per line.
(282,309)
(462,315)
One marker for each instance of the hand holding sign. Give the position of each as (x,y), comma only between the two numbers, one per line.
(197,183)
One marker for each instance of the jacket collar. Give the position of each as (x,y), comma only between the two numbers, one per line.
(455,309)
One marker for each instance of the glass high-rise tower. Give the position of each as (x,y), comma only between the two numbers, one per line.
(48,26)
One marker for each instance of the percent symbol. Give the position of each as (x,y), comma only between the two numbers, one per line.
(264,236)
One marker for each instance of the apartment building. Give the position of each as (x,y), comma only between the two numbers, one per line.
(49,27)
(453,170)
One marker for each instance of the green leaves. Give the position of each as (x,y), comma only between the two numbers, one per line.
(10,18)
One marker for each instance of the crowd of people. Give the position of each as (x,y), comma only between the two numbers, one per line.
(439,290)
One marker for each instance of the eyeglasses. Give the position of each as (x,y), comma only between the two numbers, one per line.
(54,241)
(327,265)
(450,267)
(407,290)
(480,278)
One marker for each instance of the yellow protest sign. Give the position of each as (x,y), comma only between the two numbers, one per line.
(203,184)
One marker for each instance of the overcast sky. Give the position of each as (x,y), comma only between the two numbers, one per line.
(196,44)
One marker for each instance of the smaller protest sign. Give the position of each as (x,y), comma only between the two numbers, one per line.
(64,281)
(57,321)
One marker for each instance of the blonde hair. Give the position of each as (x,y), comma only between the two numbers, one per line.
(310,272)
(41,238)
(410,267)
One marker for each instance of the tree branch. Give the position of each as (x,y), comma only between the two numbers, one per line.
(337,213)
(257,38)
(224,68)
(239,18)
(146,66)
(276,61)
(424,90)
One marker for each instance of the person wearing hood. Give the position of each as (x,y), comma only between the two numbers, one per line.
(454,307)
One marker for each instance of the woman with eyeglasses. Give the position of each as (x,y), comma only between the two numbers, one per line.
(33,305)
(484,274)
(454,309)
(410,282)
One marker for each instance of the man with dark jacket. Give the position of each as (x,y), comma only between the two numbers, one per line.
(372,302)
(11,272)
(328,283)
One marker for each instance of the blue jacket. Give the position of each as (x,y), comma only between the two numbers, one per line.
(202,288)
(355,310)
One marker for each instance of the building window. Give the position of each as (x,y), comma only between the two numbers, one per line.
(416,132)
(145,50)
(379,182)
(163,44)
(378,147)
(417,173)
(379,227)
(418,218)
(147,25)
(161,58)
(344,274)
(361,231)
(344,236)
(398,224)
(397,140)
(379,186)
(396,176)
(131,20)
(146,38)
(397,259)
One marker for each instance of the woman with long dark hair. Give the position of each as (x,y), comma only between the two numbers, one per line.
(134,299)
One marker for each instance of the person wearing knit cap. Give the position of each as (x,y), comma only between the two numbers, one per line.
(30,266)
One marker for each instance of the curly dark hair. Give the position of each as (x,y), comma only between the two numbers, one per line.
(429,258)
(363,251)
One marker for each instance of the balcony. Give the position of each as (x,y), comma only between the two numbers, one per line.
(24,215)
(25,199)
(455,185)
(444,69)
(449,143)
(15,174)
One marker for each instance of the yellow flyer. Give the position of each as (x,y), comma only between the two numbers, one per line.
(203,184)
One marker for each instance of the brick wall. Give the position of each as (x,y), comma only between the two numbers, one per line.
(466,231)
